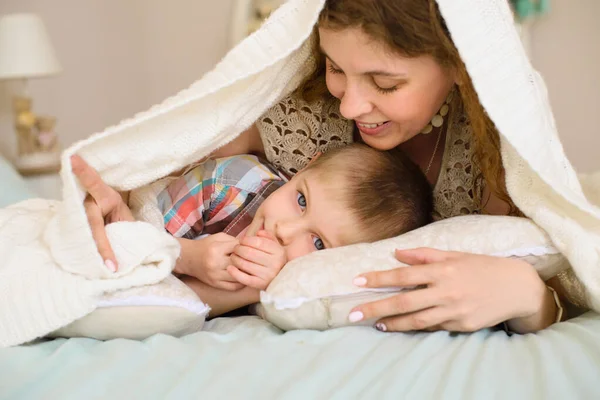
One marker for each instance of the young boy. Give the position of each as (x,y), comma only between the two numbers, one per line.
(239,222)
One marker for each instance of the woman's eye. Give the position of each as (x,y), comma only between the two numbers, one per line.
(319,245)
(301,200)
(386,90)
(334,70)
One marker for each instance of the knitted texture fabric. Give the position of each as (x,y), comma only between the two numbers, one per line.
(539,177)
(52,274)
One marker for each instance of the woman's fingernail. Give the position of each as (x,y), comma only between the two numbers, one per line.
(355,316)
(360,281)
(380,326)
(110,265)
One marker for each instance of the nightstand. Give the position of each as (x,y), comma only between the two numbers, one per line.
(45,182)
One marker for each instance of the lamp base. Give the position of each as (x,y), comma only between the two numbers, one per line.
(38,163)
(38,148)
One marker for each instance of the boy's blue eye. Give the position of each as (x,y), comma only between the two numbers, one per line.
(301,200)
(319,245)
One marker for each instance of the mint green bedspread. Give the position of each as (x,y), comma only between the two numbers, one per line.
(247,358)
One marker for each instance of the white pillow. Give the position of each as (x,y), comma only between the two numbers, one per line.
(316,291)
(169,307)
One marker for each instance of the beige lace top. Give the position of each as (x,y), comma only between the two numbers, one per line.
(293,131)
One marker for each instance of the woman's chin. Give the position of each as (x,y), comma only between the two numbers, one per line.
(391,139)
(381,143)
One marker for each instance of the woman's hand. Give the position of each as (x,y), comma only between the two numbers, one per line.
(464,292)
(257,260)
(103,205)
(207,260)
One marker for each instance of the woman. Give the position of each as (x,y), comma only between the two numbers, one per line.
(388,74)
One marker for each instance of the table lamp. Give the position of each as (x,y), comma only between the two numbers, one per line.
(26,52)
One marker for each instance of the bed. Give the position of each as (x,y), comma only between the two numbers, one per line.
(247,357)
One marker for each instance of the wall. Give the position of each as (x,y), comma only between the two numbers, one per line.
(119,58)
(565,48)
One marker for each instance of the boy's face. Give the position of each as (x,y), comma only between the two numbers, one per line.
(305,217)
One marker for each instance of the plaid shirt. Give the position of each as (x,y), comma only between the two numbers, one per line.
(220,195)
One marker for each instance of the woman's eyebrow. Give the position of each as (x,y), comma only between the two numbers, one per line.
(325,54)
(386,74)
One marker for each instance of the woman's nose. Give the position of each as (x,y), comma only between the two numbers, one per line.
(354,103)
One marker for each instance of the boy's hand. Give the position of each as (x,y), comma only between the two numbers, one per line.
(257,260)
(207,260)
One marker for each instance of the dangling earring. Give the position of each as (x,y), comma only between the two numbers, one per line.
(438,119)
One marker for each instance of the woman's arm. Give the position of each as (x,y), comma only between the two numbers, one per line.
(107,205)
(248,142)
(462,292)
(546,310)
(103,205)
(543,316)
(222,301)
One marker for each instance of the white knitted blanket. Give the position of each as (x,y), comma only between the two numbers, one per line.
(51,273)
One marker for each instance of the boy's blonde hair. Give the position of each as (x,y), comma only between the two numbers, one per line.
(385,191)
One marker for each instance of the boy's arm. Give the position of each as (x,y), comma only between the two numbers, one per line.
(222,301)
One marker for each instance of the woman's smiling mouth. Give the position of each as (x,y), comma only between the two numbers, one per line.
(372,129)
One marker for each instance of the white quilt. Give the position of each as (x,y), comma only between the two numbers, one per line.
(51,273)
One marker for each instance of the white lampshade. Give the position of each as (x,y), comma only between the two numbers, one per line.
(25,48)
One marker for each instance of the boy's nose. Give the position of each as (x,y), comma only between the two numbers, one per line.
(287,230)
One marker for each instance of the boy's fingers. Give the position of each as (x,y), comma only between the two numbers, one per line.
(227,246)
(266,234)
(96,221)
(245,279)
(263,244)
(248,266)
(253,255)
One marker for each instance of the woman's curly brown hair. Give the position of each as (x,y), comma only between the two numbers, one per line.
(414,28)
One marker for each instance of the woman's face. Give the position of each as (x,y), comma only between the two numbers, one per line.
(391,98)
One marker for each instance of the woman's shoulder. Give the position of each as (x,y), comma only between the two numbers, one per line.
(294,130)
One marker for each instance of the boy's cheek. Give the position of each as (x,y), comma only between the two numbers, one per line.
(293,252)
